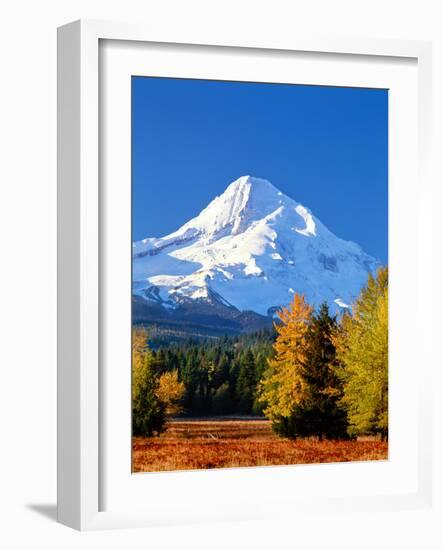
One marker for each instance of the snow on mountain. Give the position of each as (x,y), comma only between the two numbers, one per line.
(251,248)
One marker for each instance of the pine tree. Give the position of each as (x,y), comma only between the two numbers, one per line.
(158,362)
(319,414)
(190,377)
(362,346)
(234,369)
(246,383)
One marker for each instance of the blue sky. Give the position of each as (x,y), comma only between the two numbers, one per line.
(325,147)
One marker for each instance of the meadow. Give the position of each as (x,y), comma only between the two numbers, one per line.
(239,442)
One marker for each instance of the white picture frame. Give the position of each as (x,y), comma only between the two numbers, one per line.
(81,441)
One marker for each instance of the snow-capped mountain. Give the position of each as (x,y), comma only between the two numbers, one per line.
(249,250)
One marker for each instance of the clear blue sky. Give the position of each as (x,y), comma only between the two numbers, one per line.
(325,147)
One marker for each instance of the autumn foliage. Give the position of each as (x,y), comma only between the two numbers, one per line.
(329,378)
(170,391)
(362,348)
(283,387)
(301,388)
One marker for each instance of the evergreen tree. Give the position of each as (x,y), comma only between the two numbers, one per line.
(209,383)
(319,413)
(159,362)
(246,382)
(234,369)
(190,378)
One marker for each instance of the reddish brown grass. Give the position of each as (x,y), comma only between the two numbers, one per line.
(204,444)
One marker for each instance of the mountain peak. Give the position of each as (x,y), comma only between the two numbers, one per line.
(252,183)
(252,247)
(244,201)
(252,180)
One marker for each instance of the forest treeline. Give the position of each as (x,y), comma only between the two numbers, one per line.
(312,375)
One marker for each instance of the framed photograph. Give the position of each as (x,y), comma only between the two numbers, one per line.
(242,260)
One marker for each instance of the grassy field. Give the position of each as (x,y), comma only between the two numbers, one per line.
(230,443)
